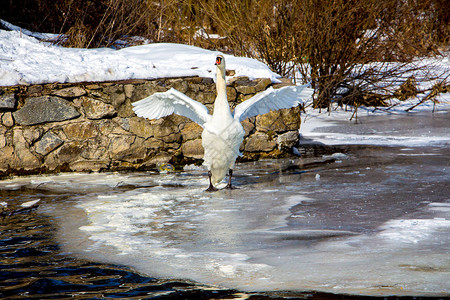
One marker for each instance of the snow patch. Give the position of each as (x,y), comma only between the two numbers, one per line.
(26,60)
(412,231)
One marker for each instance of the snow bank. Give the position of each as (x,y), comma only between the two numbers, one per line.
(26,60)
(49,37)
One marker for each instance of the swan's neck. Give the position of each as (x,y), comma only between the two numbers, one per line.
(221,106)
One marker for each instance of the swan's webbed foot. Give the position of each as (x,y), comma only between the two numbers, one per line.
(211,187)
(229,186)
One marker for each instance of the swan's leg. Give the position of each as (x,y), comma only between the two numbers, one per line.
(229,186)
(211,187)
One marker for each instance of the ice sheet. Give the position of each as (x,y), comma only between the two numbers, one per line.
(383,129)
(374,222)
(250,239)
(383,233)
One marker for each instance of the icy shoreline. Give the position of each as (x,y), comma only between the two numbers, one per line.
(376,127)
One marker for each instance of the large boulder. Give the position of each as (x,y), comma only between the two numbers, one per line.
(260,141)
(193,149)
(8,101)
(96,109)
(48,143)
(70,92)
(45,109)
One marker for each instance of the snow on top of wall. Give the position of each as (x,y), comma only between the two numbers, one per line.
(26,60)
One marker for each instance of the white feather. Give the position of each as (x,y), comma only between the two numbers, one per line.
(30,203)
(163,104)
(272,99)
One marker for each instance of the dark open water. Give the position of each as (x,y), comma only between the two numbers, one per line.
(32,266)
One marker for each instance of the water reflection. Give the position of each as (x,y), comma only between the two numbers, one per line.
(34,266)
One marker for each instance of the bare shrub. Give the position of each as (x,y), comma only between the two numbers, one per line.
(102,22)
(342,40)
(261,29)
(331,43)
(346,49)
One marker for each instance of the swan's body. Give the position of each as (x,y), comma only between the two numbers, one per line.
(222,131)
(222,134)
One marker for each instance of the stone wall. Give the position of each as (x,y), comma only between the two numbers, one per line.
(91,126)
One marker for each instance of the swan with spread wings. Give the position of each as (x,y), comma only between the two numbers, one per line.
(222,131)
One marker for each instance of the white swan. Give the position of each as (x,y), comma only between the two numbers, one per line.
(222,131)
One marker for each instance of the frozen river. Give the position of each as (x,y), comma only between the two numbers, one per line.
(365,210)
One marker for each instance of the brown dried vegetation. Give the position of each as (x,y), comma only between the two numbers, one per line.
(331,43)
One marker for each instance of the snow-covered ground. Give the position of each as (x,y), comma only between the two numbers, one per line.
(26,60)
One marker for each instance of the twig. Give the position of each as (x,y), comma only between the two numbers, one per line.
(117,185)
(11,212)
(394,105)
(355,114)
(431,95)
(386,110)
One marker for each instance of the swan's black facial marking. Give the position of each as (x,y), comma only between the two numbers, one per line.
(218,60)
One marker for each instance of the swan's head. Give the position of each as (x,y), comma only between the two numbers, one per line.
(220,62)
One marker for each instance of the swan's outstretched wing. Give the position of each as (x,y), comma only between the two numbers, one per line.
(163,104)
(272,99)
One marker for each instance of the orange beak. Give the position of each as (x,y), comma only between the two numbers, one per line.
(218,61)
